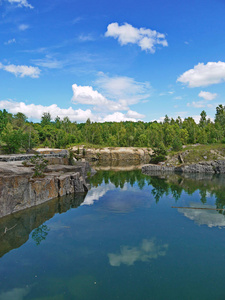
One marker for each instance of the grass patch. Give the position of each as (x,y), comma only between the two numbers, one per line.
(197,153)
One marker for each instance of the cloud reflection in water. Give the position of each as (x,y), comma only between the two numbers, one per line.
(96,193)
(211,218)
(15,294)
(147,250)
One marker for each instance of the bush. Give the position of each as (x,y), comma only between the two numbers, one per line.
(159,154)
(39,165)
(177,144)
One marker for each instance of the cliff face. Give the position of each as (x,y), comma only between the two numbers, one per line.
(18,190)
(117,154)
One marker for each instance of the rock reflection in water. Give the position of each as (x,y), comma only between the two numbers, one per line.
(116,165)
(15,228)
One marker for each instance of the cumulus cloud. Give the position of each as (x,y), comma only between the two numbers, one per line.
(21,3)
(132,116)
(23,27)
(147,39)
(211,218)
(87,95)
(207,95)
(22,70)
(10,41)
(33,111)
(114,93)
(147,250)
(204,75)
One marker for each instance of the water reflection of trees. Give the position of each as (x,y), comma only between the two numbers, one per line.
(165,184)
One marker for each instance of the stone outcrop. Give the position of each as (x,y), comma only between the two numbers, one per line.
(19,190)
(60,157)
(116,153)
(209,167)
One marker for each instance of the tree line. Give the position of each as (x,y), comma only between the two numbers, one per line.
(18,134)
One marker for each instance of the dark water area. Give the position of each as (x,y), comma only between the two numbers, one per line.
(123,240)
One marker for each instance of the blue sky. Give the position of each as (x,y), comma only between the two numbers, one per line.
(112,60)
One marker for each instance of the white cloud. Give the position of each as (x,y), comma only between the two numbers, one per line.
(10,42)
(23,27)
(166,93)
(145,252)
(48,62)
(123,89)
(33,111)
(207,95)
(122,92)
(86,38)
(204,75)
(147,39)
(211,218)
(86,95)
(120,117)
(21,3)
(198,104)
(22,70)
(134,114)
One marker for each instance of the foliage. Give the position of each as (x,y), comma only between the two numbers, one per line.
(12,139)
(39,165)
(71,158)
(18,134)
(177,144)
(159,154)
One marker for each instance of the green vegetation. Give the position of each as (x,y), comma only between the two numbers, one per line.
(39,165)
(17,134)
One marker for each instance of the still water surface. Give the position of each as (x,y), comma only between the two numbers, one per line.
(123,240)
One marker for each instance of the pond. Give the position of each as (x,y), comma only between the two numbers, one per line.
(132,236)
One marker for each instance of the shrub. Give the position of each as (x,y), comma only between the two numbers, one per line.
(177,144)
(39,165)
(159,154)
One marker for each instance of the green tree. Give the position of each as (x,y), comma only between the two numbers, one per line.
(11,138)
(45,119)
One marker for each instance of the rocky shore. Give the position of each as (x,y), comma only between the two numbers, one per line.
(19,190)
(208,167)
(129,154)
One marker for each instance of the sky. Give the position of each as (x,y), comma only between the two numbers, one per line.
(112,60)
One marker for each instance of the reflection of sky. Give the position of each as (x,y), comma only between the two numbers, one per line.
(97,192)
(147,250)
(117,202)
(211,218)
(14,294)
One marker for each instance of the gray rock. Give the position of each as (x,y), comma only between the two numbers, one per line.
(212,167)
(18,190)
